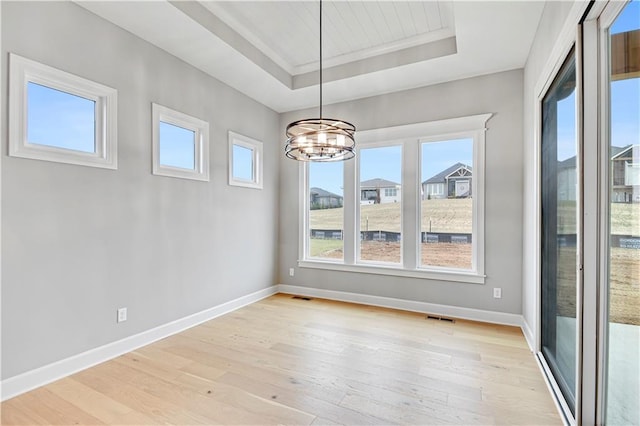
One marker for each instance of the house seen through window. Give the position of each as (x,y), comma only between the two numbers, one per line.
(446,222)
(326,213)
(380,204)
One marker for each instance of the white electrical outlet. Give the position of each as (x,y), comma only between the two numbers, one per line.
(497,293)
(122,314)
(291,272)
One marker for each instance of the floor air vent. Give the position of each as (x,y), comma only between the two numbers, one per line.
(301,298)
(435,317)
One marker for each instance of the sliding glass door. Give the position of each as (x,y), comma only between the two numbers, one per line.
(589,258)
(559,229)
(623,246)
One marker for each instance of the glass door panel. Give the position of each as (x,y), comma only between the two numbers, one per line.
(559,178)
(623,328)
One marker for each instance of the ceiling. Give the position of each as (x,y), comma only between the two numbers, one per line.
(269,50)
(288,31)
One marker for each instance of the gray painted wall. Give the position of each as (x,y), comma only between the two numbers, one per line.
(553,17)
(500,94)
(79,242)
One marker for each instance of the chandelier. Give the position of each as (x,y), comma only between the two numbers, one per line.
(320,139)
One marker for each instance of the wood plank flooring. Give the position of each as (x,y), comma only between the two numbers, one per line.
(292,361)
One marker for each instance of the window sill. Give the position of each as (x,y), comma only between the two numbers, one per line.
(462,277)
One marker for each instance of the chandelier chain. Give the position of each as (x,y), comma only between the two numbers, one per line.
(320,59)
(320,139)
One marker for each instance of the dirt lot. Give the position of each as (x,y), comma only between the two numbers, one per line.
(624,296)
(442,254)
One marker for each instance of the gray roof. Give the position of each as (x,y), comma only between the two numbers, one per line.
(440,177)
(377,183)
(322,193)
(570,163)
(617,151)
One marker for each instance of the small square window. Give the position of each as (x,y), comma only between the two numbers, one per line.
(245,161)
(180,144)
(177,146)
(57,116)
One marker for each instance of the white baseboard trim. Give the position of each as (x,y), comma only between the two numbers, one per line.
(32,379)
(406,305)
(528,335)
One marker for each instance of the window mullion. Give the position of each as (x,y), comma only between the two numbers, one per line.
(351,202)
(410,204)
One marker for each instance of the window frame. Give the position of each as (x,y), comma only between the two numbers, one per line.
(304,248)
(358,223)
(200,128)
(410,137)
(477,191)
(256,148)
(23,71)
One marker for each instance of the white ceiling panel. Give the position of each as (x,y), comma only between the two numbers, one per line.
(288,31)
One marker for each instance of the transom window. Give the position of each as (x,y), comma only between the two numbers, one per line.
(58,116)
(245,161)
(180,144)
(412,206)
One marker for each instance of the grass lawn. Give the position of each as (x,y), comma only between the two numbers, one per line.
(325,248)
(444,216)
(454,215)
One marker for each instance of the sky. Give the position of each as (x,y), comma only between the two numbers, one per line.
(625,100)
(61,120)
(242,163)
(625,94)
(177,146)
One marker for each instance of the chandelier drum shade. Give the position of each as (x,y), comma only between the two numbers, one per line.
(320,139)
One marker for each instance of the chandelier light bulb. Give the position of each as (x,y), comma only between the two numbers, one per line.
(320,139)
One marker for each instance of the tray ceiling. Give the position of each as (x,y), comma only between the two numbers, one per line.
(268,50)
(288,31)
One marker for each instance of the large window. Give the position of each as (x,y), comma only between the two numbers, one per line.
(57,116)
(446,222)
(325,229)
(380,204)
(412,206)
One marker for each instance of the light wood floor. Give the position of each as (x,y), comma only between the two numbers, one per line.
(293,361)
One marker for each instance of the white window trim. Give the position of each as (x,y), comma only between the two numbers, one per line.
(477,189)
(369,145)
(21,72)
(410,137)
(257,148)
(199,127)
